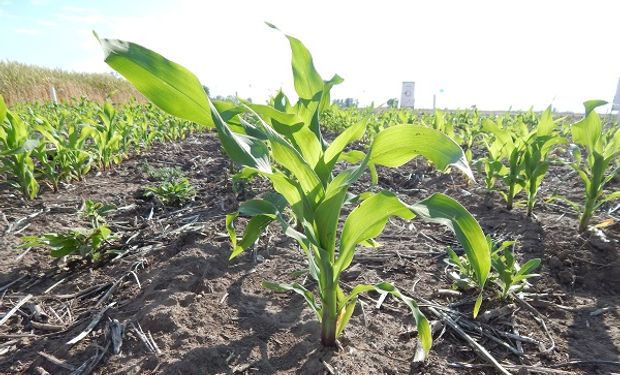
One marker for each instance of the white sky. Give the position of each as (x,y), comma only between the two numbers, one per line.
(494,54)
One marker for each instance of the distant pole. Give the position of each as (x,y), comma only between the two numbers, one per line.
(616,103)
(435,99)
(53,95)
(407,97)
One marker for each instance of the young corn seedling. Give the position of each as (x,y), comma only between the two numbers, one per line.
(163,173)
(284,145)
(508,147)
(16,147)
(507,274)
(535,159)
(63,154)
(492,162)
(519,156)
(173,191)
(107,137)
(96,212)
(89,244)
(597,169)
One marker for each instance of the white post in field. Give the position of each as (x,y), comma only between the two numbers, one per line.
(53,95)
(616,104)
(407,99)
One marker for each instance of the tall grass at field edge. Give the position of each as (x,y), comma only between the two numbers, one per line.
(30,83)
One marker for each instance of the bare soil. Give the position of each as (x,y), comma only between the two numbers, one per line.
(186,309)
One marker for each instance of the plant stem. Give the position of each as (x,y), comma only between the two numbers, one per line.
(330,316)
(531,199)
(586,215)
(510,198)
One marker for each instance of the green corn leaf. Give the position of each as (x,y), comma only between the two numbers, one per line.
(244,149)
(297,288)
(271,115)
(262,213)
(367,221)
(17,133)
(293,129)
(334,150)
(3,110)
(612,149)
(307,80)
(356,156)
(425,336)
(609,198)
(504,139)
(169,85)
(345,315)
(477,305)
(313,92)
(328,211)
(587,132)
(590,105)
(255,227)
(272,204)
(399,144)
(527,269)
(455,259)
(424,329)
(291,159)
(442,209)
(325,95)
(545,123)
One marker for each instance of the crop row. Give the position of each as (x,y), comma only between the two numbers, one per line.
(282,143)
(46,144)
(513,151)
(311,178)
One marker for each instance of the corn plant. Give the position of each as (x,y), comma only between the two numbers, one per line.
(283,144)
(519,156)
(106,134)
(506,273)
(536,156)
(89,244)
(466,131)
(492,162)
(63,155)
(509,142)
(17,145)
(172,191)
(96,212)
(597,169)
(162,173)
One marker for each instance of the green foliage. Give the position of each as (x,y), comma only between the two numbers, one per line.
(42,144)
(162,173)
(509,276)
(597,169)
(506,273)
(107,136)
(535,160)
(96,212)
(174,191)
(62,153)
(517,154)
(88,244)
(283,143)
(17,145)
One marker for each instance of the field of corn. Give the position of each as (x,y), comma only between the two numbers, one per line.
(194,236)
